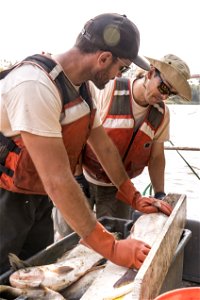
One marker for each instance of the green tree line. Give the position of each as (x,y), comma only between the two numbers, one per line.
(195,96)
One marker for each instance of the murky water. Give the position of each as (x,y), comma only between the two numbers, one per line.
(179,178)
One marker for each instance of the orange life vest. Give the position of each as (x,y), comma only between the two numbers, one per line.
(134,146)
(17,171)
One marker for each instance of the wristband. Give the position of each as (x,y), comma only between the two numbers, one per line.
(159,195)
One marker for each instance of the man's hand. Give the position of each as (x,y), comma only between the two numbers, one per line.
(150,205)
(128,193)
(129,253)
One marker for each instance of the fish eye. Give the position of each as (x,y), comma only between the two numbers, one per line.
(27,270)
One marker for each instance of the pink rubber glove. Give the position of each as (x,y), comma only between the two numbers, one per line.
(128,193)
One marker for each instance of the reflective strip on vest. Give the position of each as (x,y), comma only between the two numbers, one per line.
(118,123)
(74,113)
(121,93)
(147,130)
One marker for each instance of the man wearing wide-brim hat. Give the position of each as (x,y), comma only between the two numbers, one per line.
(135,116)
(175,72)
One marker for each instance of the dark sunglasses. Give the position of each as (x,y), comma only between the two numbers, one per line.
(123,69)
(162,87)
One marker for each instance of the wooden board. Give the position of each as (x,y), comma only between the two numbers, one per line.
(151,275)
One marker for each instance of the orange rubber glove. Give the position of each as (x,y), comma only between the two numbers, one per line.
(128,193)
(129,253)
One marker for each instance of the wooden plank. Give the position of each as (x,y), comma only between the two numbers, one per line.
(151,275)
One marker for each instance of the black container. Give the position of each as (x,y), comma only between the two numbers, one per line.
(121,226)
(191,265)
(173,279)
(56,250)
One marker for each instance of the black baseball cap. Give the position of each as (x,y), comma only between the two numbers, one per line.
(116,33)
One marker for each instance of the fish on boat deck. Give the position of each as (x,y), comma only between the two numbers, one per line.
(116,281)
(78,288)
(60,274)
(29,294)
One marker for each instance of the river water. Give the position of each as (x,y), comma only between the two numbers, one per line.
(179,178)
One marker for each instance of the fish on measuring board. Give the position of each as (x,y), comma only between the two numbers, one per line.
(78,288)
(116,281)
(148,236)
(8,292)
(147,227)
(60,274)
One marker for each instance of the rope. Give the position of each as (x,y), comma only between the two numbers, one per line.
(191,168)
(150,187)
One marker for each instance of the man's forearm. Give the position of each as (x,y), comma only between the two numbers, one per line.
(69,198)
(114,167)
(156,169)
(51,161)
(109,157)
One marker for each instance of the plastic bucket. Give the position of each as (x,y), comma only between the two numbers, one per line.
(192,293)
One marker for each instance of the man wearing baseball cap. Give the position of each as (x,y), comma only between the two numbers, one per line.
(116,34)
(47,117)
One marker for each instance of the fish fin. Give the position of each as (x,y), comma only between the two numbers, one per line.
(98,265)
(100,262)
(95,267)
(127,278)
(63,269)
(16,263)
(6,290)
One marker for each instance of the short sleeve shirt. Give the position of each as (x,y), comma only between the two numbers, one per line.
(30,102)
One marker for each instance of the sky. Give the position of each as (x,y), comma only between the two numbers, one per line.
(166,26)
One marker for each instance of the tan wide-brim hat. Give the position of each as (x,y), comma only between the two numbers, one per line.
(176,72)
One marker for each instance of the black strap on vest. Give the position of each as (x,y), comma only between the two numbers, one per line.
(6,170)
(6,145)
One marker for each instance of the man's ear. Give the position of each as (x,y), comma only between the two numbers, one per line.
(150,72)
(105,58)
